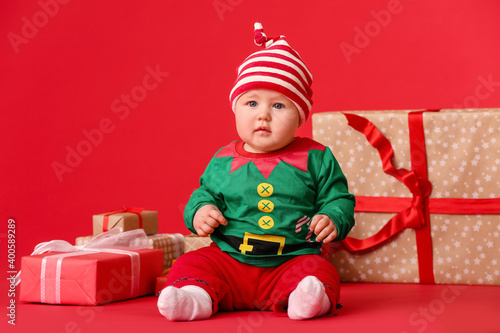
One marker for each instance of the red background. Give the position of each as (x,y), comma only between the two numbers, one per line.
(65,72)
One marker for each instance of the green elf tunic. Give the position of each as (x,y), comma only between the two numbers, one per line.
(269,200)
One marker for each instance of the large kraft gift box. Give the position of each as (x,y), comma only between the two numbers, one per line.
(127,219)
(172,245)
(427,187)
(82,278)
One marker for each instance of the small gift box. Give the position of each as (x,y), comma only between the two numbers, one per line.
(127,219)
(103,271)
(193,242)
(161,281)
(172,245)
(427,191)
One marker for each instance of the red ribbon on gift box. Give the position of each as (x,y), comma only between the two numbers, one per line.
(136,210)
(413,212)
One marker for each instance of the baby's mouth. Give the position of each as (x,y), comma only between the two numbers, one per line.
(263,129)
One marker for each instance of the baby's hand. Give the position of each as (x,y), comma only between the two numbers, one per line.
(206,219)
(323,228)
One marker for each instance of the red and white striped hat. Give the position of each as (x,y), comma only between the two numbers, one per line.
(279,68)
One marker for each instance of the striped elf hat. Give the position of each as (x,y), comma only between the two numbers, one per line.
(279,68)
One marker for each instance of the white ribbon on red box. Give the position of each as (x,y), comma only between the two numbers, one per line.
(112,241)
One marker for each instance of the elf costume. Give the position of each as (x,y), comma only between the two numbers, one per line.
(269,200)
(265,257)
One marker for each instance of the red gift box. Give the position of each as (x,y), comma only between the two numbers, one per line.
(112,266)
(83,278)
(161,282)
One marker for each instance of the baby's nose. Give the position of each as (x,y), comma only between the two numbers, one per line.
(264,113)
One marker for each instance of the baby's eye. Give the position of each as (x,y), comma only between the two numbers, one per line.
(252,104)
(278,106)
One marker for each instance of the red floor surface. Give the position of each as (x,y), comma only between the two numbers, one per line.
(399,308)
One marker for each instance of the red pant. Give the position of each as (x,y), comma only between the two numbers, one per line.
(237,286)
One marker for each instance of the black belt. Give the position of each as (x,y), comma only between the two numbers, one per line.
(256,245)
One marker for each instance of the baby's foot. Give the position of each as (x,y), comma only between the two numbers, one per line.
(184,304)
(308,300)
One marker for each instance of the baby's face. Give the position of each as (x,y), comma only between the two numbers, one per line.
(265,120)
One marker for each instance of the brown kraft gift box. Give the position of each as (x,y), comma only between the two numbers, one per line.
(193,242)
(127,219)
(427,185)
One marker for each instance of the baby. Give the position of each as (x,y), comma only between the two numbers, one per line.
(268,202)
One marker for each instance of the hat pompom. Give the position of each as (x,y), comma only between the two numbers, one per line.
(260,37)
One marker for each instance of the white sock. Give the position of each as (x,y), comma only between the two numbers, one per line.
(308,300)
(185,303)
